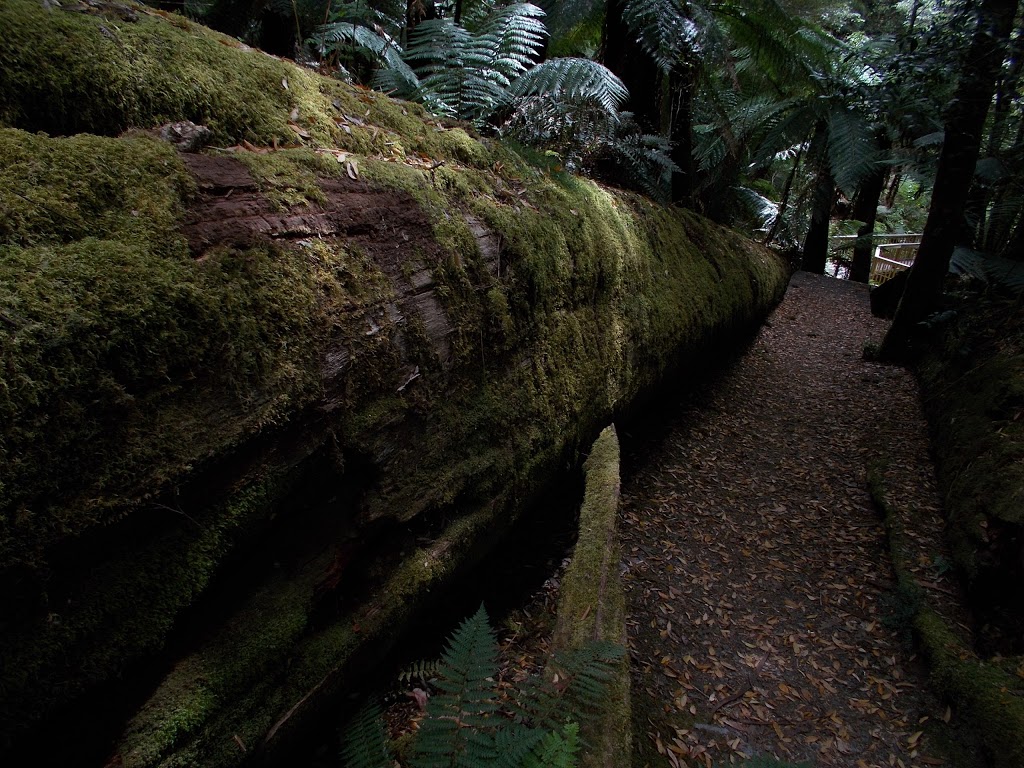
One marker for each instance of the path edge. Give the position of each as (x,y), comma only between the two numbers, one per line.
(983,693)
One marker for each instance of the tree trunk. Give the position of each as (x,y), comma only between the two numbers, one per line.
(964,123)
(681,135)
(865,208)
(816,243)
(417,11)
(623,55)
(893,190)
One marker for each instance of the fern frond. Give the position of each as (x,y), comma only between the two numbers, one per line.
(662,28)
(366,744)
(583,675)
(647,162)
(557,750)
(457,730)
(572,80)
(514,745)
(851,150)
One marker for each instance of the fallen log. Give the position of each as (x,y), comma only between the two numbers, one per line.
(236,383)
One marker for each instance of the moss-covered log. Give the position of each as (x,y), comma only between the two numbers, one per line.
(227,377)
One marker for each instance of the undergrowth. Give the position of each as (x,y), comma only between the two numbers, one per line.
(466,723)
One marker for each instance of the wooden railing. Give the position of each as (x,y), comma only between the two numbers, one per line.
(893,253)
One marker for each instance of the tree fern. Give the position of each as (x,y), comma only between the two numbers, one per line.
(343,39)
(851,148)
(662,28)
(464,74)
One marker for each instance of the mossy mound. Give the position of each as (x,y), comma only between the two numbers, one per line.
(234,385)
(104,67)
(973,386)
(986,694)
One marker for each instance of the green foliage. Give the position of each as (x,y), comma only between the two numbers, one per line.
(358,36)
(558,749)
(663,29)
(464,73)
(456,725)
(464,725)
(366,741)
(573,81)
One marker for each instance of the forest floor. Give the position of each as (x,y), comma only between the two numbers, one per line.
(763,615)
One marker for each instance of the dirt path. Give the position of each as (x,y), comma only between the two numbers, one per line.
(762,616)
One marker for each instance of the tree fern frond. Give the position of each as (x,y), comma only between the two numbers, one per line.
(511,39)
(851,151)
(662,28)
(365,744)
(573,80)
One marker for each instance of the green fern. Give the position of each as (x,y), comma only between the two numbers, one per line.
(574,81)
(576,682)
(463,726)
(662,28)
(557,750)
(366,744)
(456,730)
(463,73)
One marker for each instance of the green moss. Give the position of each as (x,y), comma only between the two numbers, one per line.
(260,670)
(989,697)
(974,385)
(592,603)
(288,177)
(67,72)
(128,604)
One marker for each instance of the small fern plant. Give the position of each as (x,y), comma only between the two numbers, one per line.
(465,725)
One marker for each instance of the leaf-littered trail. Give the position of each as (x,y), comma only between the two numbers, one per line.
(762,614)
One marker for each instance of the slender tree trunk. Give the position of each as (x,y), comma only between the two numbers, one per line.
(681,135)
(865,209)
(816,243)
(784,200)
(417,11)
(965,120)
(894,189)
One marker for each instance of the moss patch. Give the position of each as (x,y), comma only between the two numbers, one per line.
(973,386)
(103,71)
(987,697)
(592,603)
